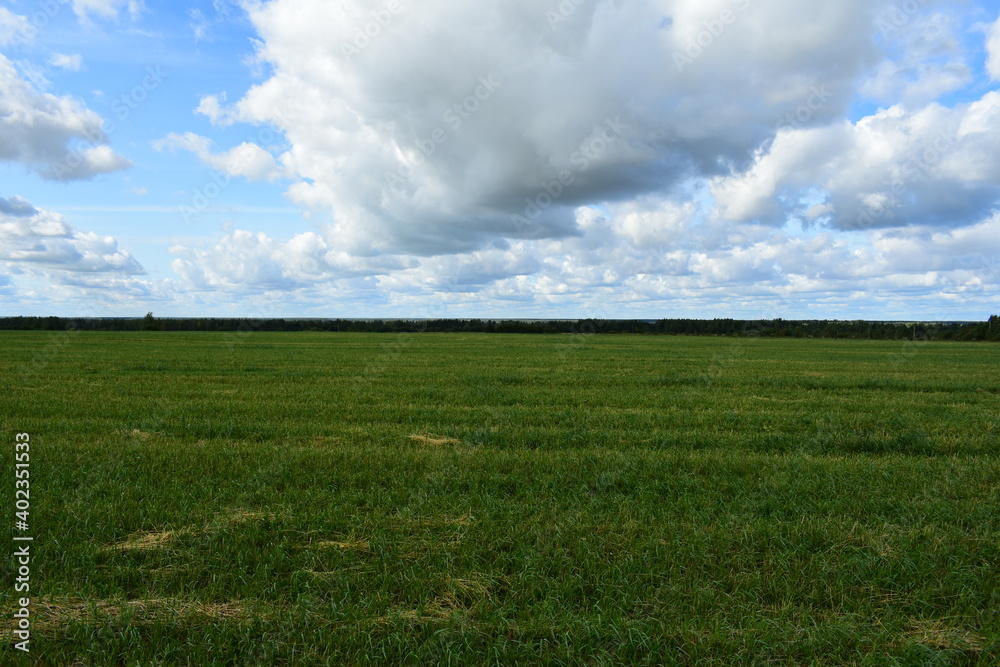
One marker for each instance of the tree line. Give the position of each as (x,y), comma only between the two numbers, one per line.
(856,329)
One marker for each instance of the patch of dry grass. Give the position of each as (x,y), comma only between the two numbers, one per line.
(347,545)
(157,540)
(940,636)
(53,613)
(149,541)
(434,440)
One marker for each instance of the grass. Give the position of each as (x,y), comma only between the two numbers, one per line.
(473,499)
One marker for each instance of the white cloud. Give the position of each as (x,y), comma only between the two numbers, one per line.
(198,23)
(926,61)
(188,141)
(14,28)
(418,140)
(248,160)
(935,166)
(993,51)
(81,163)
(211,106)
(42,244)
(247,262)
(70,63)
(16,207)
(55,136)
(106,9)
(687,266)
(650,158)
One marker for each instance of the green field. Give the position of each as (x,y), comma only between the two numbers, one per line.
(461,499)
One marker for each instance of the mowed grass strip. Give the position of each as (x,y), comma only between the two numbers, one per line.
(347,499)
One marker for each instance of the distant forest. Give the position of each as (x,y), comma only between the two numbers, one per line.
(858,329)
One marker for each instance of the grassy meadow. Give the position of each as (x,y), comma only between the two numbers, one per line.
(322,498)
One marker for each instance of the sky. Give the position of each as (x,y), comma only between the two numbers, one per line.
(500,158)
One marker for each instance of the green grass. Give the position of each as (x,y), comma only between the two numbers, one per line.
(467,499)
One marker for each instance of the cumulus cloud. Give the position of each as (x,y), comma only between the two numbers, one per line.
(718,271)
(244,261)
(606,158)
(935,166)
(248,159)
(82,163)
(420,142)
(421,139)
(42,243)
(54,136)
(687,266)
(17,207)
(211,107)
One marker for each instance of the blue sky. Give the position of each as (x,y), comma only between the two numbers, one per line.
(661,158)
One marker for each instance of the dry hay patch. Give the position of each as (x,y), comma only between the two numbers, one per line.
(152,540)
(421,535)
(439,522)
(939,636)
(883,540)
(440,610)
(434,440)
(238,516)
(51,614)
(470,591)
(346,545)
(456,601)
